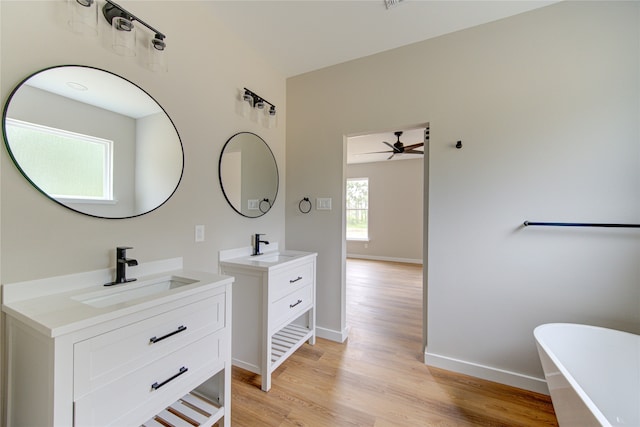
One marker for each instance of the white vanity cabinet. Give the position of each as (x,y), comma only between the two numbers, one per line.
(163,356)
(273,308)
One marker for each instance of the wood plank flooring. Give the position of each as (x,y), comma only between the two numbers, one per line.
(377,377)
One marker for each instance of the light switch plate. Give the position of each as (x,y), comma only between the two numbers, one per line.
(199,233)
(323,203)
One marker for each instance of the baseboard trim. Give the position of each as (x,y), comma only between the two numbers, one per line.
(332,335)
(385,258)
(246,366)
(487,373)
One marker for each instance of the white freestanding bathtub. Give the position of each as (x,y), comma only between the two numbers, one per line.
(593,374)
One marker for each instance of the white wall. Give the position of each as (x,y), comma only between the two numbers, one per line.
(395,210)
(207,68)
(158,161)
(546,106)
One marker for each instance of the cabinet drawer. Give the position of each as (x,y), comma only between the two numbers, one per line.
(155,385)
(291,306)
(114,354)
(290,280)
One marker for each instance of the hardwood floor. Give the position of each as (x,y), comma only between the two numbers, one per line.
(377,377)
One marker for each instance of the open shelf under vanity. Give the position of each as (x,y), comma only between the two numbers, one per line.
(286,341)
(192,409)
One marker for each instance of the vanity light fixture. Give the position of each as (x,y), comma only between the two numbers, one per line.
(253,100)
(123,31)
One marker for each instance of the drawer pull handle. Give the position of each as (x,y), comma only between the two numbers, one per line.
(293,305)
(156,386)
(295,280)
(154,340)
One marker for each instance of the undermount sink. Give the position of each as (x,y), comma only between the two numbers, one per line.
(133,290)
(271,258)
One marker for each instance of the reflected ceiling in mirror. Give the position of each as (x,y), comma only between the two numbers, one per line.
(248,174)
(93,142)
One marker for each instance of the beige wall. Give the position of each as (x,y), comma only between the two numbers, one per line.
(546,105)
(207,68)
(395,210)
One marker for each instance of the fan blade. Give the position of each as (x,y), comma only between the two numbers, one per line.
(391,156)
(374,152)
(411,147)
(395,149)
(413,152)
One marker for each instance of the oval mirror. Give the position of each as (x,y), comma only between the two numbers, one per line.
(248,174)
(93,141)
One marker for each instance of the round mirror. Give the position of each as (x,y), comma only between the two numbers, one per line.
(248,174)
(93,141)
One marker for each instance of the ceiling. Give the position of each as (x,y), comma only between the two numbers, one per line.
(298,36)
(98,88)
(365,148)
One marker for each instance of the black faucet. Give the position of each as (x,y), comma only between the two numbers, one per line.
(121,264)
(256,244)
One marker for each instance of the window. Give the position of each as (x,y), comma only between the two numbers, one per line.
(82,167)
(357,208)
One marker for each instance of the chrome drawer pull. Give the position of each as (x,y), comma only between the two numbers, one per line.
(295,280)
(293,305)
(156,386)
(154,340)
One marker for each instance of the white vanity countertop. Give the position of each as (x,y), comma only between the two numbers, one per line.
(57,308)
(270,260)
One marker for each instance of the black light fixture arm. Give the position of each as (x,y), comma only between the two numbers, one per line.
(255,96)
(112,9)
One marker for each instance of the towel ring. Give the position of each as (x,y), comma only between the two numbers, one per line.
(304,201)
(268,205)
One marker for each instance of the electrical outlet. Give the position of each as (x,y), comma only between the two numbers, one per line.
(199,233)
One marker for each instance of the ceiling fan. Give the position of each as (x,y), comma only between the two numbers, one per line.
(399,147)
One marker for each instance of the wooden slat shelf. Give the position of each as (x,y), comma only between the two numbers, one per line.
(191,410)
(286,341)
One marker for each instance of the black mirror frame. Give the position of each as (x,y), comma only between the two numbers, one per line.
(15,162)
(270,202)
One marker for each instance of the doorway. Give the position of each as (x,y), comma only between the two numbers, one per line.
(393,166)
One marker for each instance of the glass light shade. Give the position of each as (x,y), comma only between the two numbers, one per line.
(256,115)
(242,108)
(83,17)
(270,120)
(123,36)
(157,57)
(246,106)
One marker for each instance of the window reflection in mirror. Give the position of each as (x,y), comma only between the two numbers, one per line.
(78,166)
(93,142)
(248,174)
